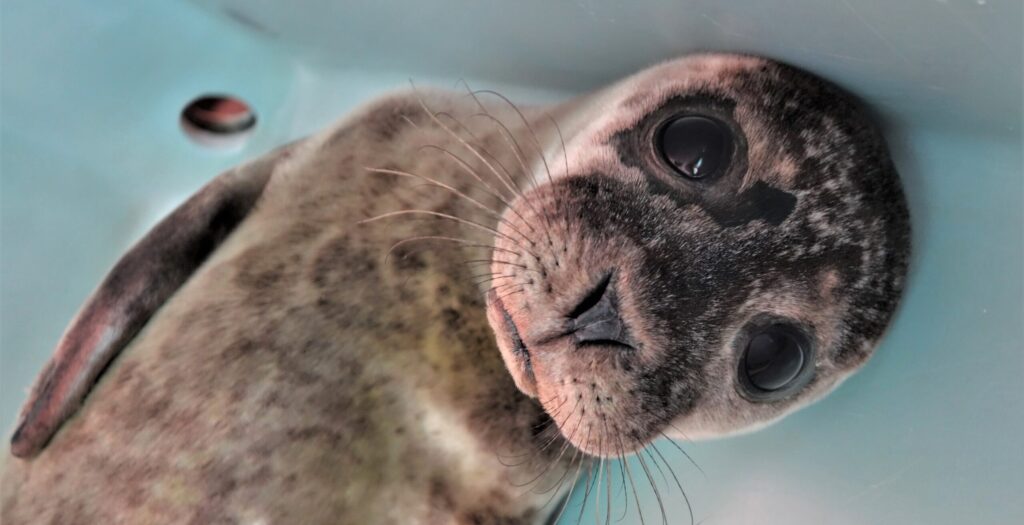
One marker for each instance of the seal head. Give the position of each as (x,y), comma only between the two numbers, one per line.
(725,242)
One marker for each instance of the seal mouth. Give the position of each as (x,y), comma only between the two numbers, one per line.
(518,346)
(517,355)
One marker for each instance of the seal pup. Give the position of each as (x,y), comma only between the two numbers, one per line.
(694,251)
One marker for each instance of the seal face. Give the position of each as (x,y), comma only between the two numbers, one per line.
(727,244)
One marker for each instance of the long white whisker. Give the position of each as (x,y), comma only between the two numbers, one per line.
(469,169)
(458,138)
(483,150)
(526,122)
(449,217)
(520,156)
(513,145)
(478,204)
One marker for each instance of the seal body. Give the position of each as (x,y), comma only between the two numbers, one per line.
(445,307)
(296,377)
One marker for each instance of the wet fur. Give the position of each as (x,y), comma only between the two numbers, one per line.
(296,377)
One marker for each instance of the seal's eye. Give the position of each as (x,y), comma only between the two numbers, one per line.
(697,147)
(773,360)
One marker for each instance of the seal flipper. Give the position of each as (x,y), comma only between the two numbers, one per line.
(139,284)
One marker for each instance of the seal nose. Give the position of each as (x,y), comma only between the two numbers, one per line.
(596,319)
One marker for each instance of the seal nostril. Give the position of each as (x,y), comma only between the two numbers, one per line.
(591,298)
(596,320)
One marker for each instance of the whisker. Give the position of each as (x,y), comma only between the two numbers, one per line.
(572,487)
(512,143)
(511,294)
(440,215)
(551,427)
(520,156)
(676,478)
(410,121)
(632,484)
(561,452)
(492,278)
(579,423)
(608,514)
(680,449)
(526,122)
(561,139)
(508,263)
(500,286)
(588,485)
(622,473)
(656,465)
(657,493)
(484,150)
(488,273)
(469,169)
(555,489)
(622,486)
(474,202)
(565,399)
(469,91)
(487,113)
(496,286)
(597,479)
(415,250)
(677,429)
(529,456)
(608,493)
(597,491)
(518,151)
(431,181)
(456,136)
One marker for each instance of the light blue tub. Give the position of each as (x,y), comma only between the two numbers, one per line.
(929,432)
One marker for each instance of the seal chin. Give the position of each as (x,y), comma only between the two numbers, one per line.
(513,350)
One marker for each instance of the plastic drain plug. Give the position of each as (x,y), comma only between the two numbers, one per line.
(218,121)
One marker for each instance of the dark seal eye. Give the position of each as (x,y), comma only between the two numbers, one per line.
(773,362)
(697,147)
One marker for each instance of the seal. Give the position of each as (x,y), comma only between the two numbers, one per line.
(447,308)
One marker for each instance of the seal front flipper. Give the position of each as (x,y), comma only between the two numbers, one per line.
(141,281)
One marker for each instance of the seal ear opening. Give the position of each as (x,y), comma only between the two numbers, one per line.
(139,283)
